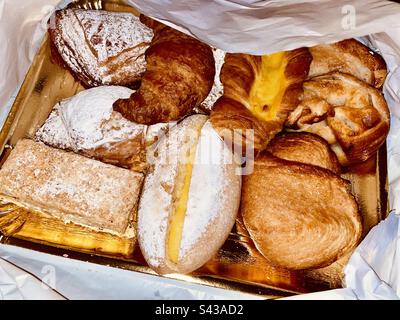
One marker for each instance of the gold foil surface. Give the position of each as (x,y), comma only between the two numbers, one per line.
(237,265)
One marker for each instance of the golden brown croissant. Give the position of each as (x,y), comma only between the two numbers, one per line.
(299,216)
(351,57)
(350,115)
(180,74)
(259,93)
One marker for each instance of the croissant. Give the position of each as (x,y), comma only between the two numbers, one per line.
(350,115)
(180,74)
(259,93)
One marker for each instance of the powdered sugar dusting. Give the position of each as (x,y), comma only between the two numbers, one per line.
(217,90)
(207,188)
(94,42)
(89,192)
(53,132)
(157,196)
(208,194)
(87,121)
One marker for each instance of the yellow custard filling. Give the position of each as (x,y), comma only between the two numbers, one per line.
(178,217)
(269,87)
(181,197)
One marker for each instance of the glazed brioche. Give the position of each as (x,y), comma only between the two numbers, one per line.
(299,216)
(190,198)
(259,93)
(349,56)
(100,47)
(350,115)
(179,76)
(305,148)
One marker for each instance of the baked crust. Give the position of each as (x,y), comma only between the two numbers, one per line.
(350,115)
(70,187)
(87,125)
(99,47)
(349,56)
(299,216)
(210,211)
(179,76)
(305,148)
(232,114)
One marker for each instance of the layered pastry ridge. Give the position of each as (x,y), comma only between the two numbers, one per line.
(100,47)
(70,187)
(259,93)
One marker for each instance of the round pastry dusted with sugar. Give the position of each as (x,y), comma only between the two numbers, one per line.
(100,47)
(190,198)
(87,124)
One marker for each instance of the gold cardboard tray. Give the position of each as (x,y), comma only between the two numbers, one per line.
(238,265)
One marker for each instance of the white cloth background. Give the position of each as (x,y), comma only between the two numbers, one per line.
(246,26)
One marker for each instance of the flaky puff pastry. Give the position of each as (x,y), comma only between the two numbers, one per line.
(180,74)
(299,216)
(100,47)
(305,148)
(350,115)
(259,93)
(349,56)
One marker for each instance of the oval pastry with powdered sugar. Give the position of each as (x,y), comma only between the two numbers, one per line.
(190,198)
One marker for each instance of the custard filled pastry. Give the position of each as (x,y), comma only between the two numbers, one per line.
(259,94)
(100,47)
(87,124)
(299,216)
(349,56)
(349,114)
(190,198)
(179,76)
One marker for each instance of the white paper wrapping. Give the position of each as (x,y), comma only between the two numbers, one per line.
(16,284)
(373,271)
(265,26)
(22,25)
(81,280)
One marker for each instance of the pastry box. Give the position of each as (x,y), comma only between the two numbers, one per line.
(238,265)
